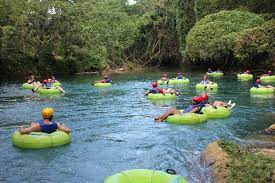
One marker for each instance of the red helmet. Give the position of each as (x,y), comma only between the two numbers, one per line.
(155,84)
(258,81)
(269,72)
(45,81)
(197,99)
(204,97)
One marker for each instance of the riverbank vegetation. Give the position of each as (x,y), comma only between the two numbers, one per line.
(89,35)
(247,166)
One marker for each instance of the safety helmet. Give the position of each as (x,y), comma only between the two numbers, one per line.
(197,99)
(45,81)
(204,97)
(47,112)
(258,81)
(155,84)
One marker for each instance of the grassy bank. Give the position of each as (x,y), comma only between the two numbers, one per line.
(247,166)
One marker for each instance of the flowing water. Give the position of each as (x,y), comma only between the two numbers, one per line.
(114,130)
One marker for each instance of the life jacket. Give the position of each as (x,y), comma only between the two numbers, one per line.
(154,90)
(47,128)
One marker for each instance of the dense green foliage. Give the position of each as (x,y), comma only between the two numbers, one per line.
(245,166)
(234,35)
(206,7)
(87,35)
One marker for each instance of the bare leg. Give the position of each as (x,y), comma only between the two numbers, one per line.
(172,111)
(60,89)
(33,124)
(37,85)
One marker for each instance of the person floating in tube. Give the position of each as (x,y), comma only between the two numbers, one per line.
(45,125)
(155,90)
(257,84)
(206,82)
(195,107)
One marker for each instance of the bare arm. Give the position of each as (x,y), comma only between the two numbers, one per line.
(63,128)
(33,128)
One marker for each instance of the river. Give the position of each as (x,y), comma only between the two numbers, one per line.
(113,129)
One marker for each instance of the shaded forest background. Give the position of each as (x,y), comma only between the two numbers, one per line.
(89,35)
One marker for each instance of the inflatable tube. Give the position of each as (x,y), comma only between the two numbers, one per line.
(215,74)
(268,79)
(51,91)
(245,77)
(27,86)
(262,91)
(57,84)
(38,140)
(160,96)
(144,176)
(208,87)
(163,82)
(175,81)
(215,113)
(187,119)
(103,84)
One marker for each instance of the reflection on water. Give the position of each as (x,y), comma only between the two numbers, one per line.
(114,129)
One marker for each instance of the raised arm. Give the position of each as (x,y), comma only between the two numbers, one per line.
(63,128)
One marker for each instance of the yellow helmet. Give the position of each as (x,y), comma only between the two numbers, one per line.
(47,112)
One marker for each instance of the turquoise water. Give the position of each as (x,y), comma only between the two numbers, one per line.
(114,130)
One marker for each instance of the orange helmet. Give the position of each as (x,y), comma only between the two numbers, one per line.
(155,84)
(47,112)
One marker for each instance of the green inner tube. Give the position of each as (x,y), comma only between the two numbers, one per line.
(263,91)
(215,113)
(268,79)
(160,96)
(215,74)
(175,81)
(208,87)
(103,84)
(27,86)
(38,140)
(245,77)
(187,119)
(144,176)
(57,84)
(51,91)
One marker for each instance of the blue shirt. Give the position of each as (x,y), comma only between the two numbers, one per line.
(47,128)
(256,85)
(48,85)
(205,82)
